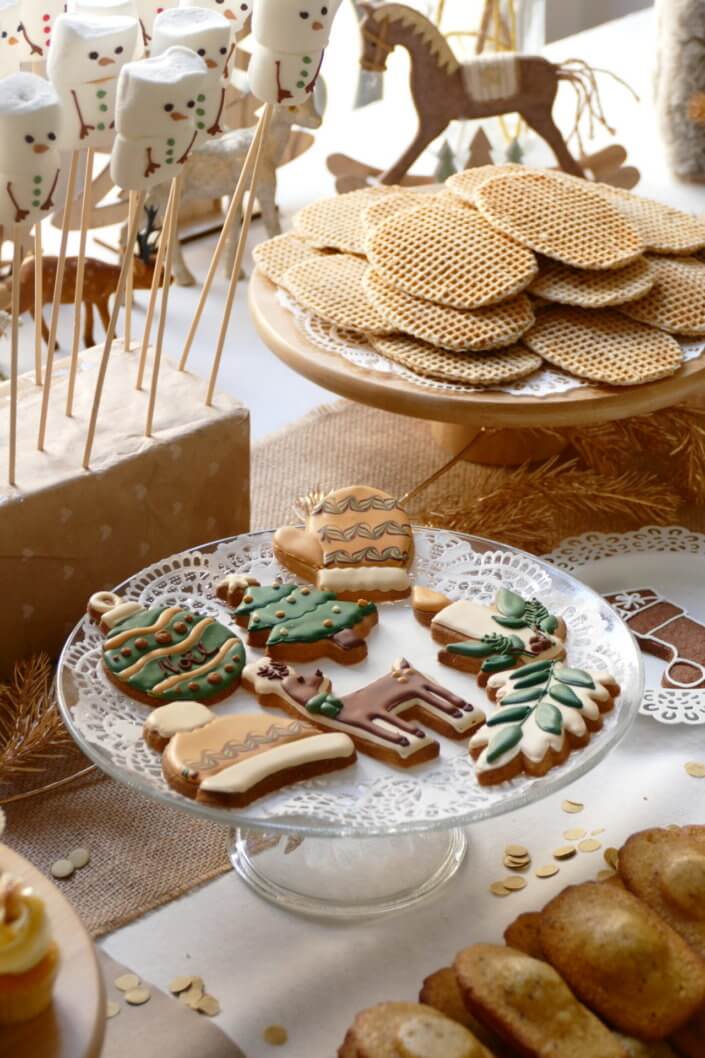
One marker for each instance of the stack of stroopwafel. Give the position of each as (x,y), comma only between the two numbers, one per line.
(503,269)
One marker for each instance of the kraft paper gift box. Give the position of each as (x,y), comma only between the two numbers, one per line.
(66,532)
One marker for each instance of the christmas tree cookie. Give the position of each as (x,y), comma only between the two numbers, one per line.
(545,710)
(296,623)
(167,653)
(380,718)
(485,639)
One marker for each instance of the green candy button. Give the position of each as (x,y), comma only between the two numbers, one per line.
(169,161)
(37,179)
(200,112)
(199,99)
(100,126)
(200,124)
(300,84)
(103,107)
(306,59)
(170,142)
(101,93)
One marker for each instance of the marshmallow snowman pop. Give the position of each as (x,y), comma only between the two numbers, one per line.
(37,27)
(30,124)
(156,129)
(237,12)
(147,11)
(84,62)
(289,40)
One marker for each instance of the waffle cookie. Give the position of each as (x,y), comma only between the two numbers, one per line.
(450,328)
(408,1030)
(463,185)
(337,223)
(604,346)
(525,1002)
(356,540)
(472,369)
(274,256)
(662,228)
(559,219)
(386,206)
(623,960)
(331,286)
(451,257)
(676,302)
(589,288)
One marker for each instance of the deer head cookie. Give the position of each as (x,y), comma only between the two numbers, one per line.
(356,541)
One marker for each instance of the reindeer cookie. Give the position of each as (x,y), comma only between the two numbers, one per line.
(663,628)
(371,716)
(357,541)
(166,654)
(546,710)
(486,639)
(233,760)
(297,623)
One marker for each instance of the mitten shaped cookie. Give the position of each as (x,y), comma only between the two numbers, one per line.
(408,1030)
(546,710)
(166,653)
(485,639)
(356,541)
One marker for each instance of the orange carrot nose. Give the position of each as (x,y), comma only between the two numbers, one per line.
(211,64)
(105,61)
(12,40)
(39,148)
(176,116)
(316,25)
(229,14)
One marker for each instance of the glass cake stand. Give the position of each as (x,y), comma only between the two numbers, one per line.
(399,834)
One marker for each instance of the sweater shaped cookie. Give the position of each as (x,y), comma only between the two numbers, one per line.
(356,541)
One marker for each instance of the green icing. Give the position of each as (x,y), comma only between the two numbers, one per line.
(295,606)
(116,661)
(515,612)
(262,596)
(310,627)
(325,704)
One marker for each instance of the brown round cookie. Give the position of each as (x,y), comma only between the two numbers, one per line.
(408,1030)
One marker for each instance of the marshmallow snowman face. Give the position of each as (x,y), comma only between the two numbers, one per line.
(30,125)
(293,26)
(10,37)
(236,11)
(88,49)
(205,32)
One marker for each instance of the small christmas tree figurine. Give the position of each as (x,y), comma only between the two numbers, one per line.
(480,152)
(445,166)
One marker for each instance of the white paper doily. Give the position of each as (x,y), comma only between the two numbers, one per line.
(352,347)
(670,559)
(370,798)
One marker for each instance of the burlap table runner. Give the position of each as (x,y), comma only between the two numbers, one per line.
(145,854)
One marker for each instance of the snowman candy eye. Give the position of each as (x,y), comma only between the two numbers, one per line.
(201,52)
(119,50)
(29,139)
(51,136)
(223,51)
(168,107)
(303,14)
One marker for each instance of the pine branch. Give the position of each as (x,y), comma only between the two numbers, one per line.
(31,729)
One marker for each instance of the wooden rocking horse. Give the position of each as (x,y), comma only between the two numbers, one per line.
(445,90)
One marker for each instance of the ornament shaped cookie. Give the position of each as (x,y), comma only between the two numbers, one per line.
(166,654)
(664,628)
(487,639)
(208,34)
(30,126)
(290,37)
(357,540)
(374,716)
(546,710)
(233,760)
(295,623)
(155,118)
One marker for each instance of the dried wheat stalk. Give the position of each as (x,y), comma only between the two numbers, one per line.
(31,729)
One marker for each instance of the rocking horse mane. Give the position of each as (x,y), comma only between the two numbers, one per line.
(429,34)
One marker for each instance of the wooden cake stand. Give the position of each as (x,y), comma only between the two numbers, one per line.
(74,1025)
(457,418)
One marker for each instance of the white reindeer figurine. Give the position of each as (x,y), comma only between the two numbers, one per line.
(213,169)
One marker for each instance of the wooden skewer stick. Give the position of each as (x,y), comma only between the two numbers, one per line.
(127,340)
(172,234)
(154,289)
(38,301)
(14,353)
(80,276)
(239,254)
(230,217)
(112,327)
(56,303)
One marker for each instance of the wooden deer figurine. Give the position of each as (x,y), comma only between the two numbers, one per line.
(100,281)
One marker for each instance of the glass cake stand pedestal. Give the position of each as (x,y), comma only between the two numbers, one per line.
(370,839)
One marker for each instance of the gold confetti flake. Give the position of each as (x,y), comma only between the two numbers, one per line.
(276,1035)
(80,857)
(209,1005)
(180,984)
(574,834)
(112,1008)
(605,875)
(516,850)
(611,857)
(136,997)
(572,807)
(126,982)
(514,884)
(547,871)
(516,865)
(62,868)
(589,845)
(565,852)
(499,889)
(695,769)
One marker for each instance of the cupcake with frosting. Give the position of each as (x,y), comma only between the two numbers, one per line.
(29,958)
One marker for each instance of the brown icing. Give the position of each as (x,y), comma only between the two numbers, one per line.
(361,526)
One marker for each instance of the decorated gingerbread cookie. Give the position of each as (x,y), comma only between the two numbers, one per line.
(373,715)
(169,720)
(486,639)
(297,623)
(232,760)
(546,710)
(664,628)
(167,654)
(356,541)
